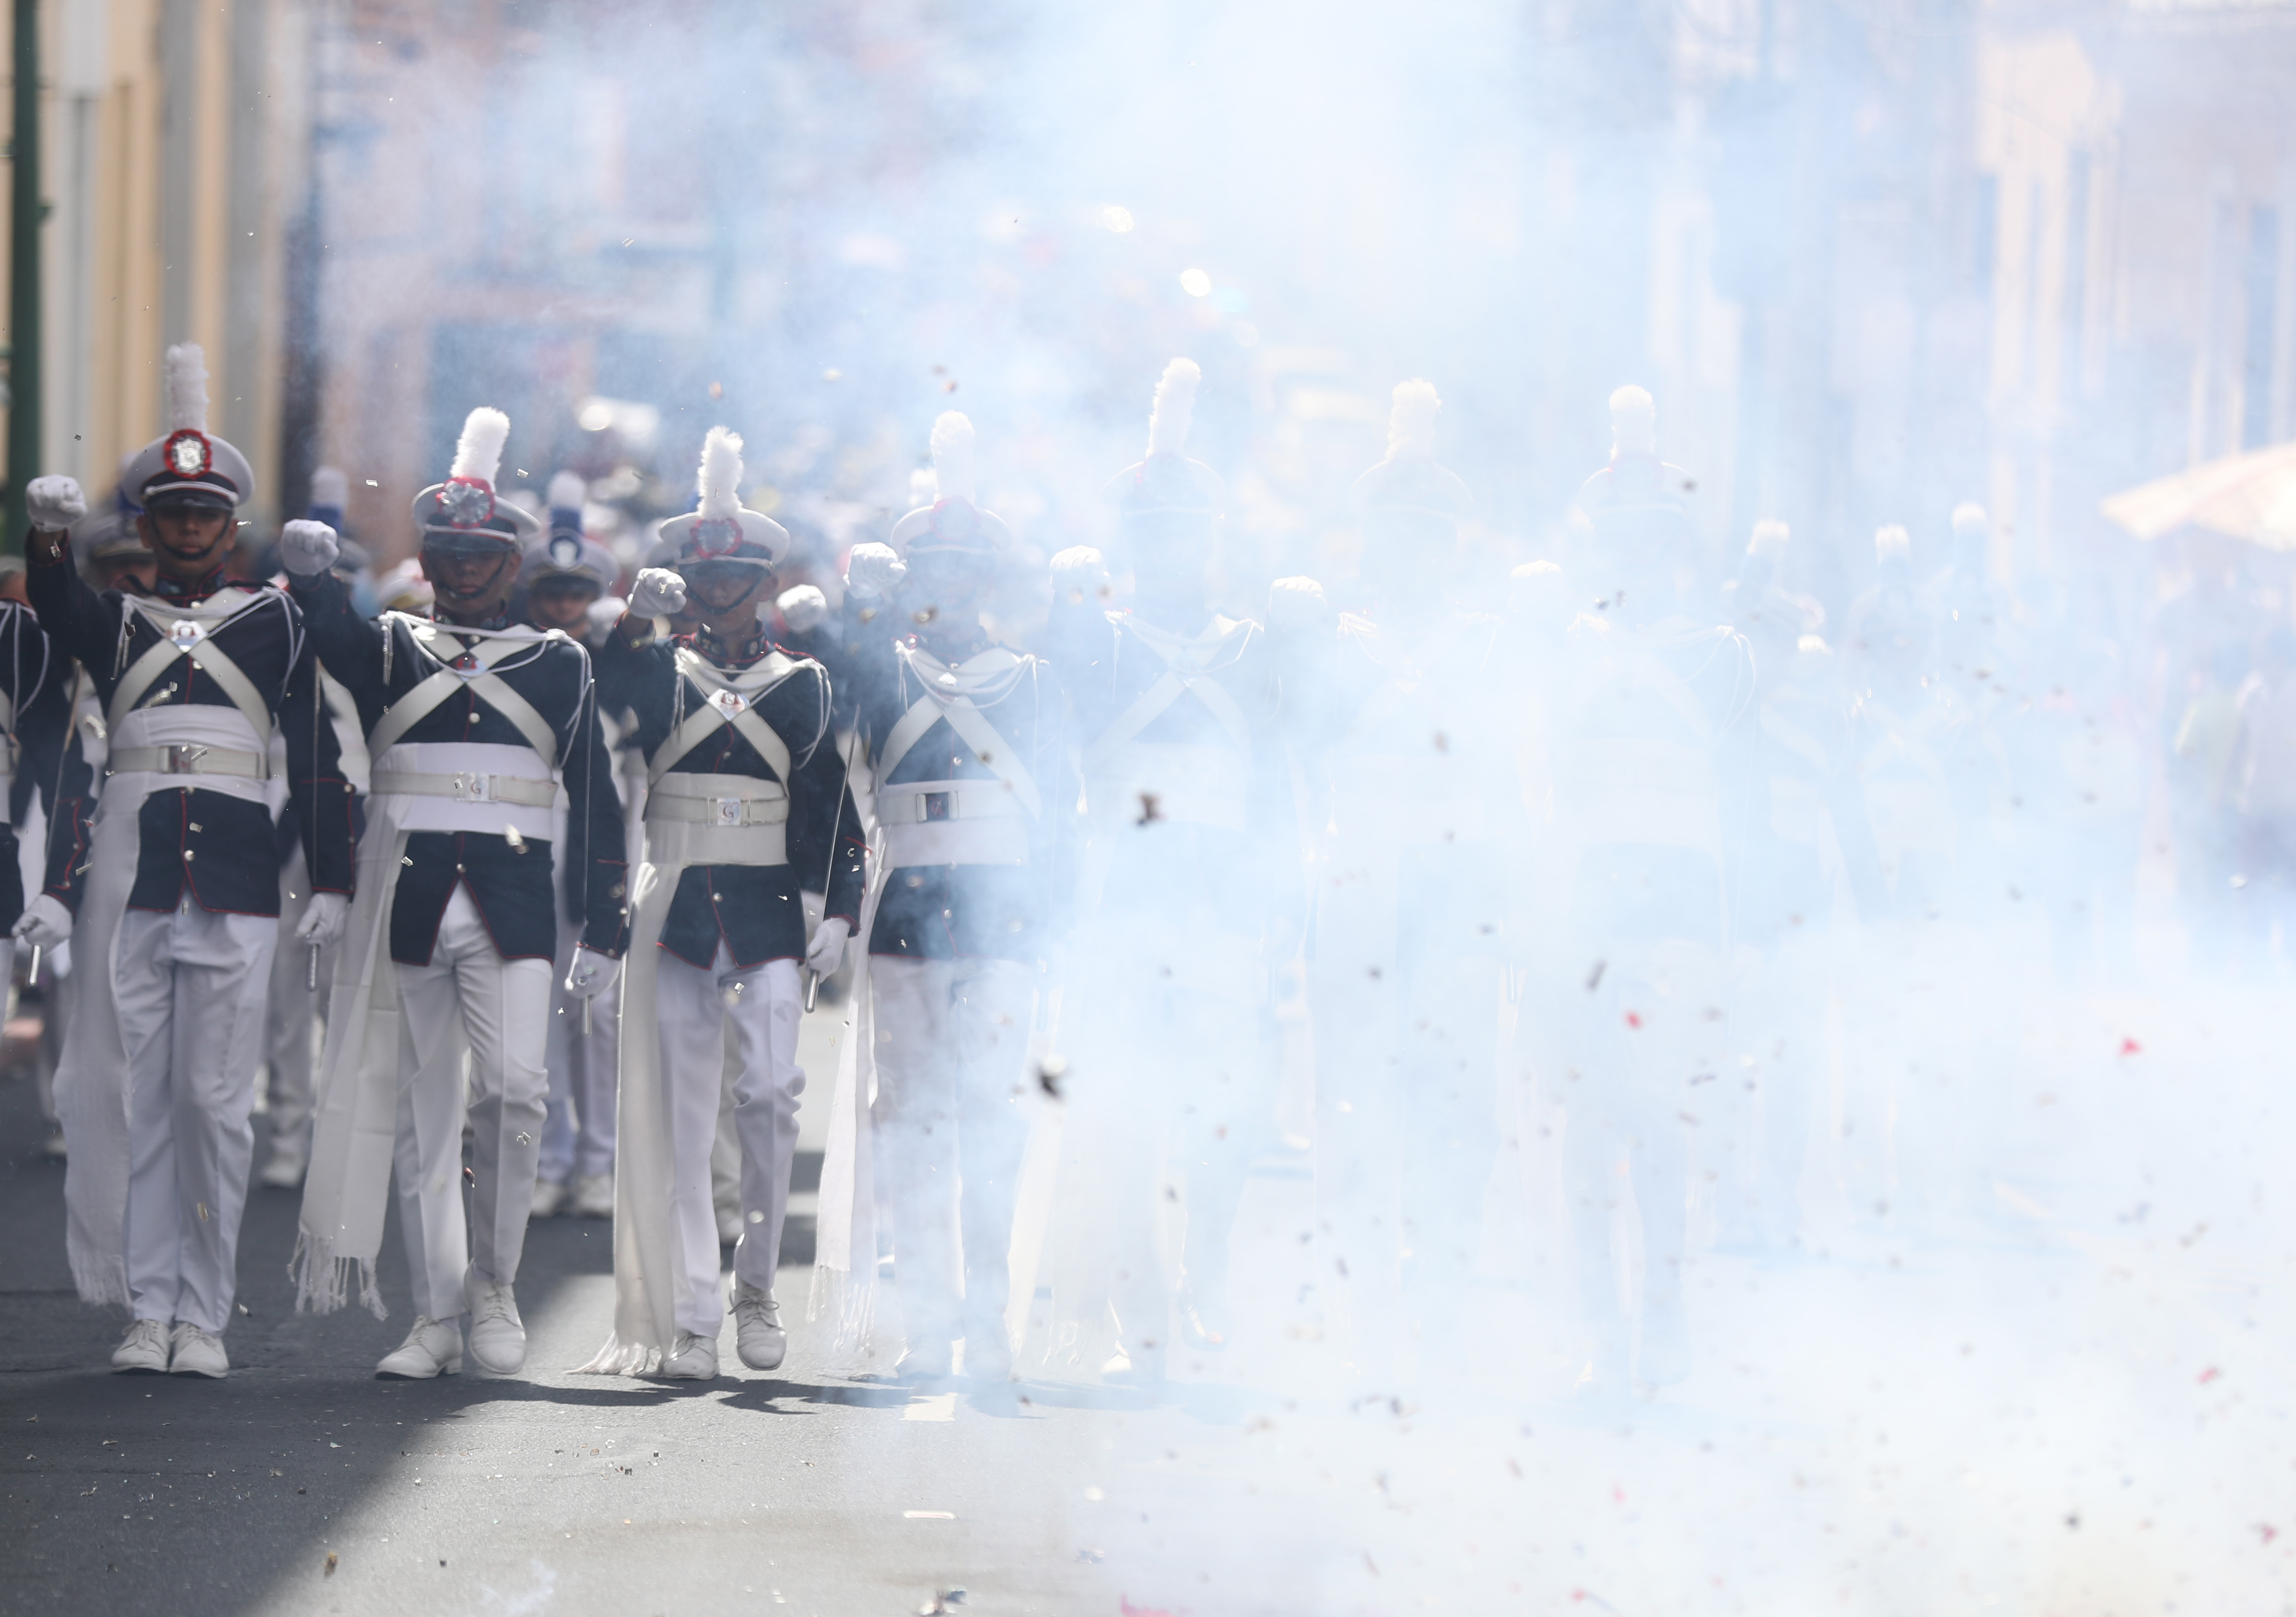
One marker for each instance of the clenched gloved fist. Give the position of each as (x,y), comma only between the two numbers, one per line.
(593,973)
(44,923)
(307,548)
(827,951)
(604,613)
(874,569)
(54,503)
(802,607)
(659,593)
(323,922)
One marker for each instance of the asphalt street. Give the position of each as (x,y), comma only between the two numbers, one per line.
(2076,1403)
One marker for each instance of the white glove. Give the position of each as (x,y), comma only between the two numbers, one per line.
(659,593)
(593,973)
(54,503)
(307,548)
(803,607)
(874,569)
(323,922)
(46,922)
(605,611)
(828,950)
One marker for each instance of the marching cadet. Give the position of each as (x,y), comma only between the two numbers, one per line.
(566,574)
(179,911)
(473,722)
(1409,759)
(746,805)
(973,802)
(1190,839)
(1646,806)
(292,1017)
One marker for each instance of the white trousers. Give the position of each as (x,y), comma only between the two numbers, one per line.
(189,988)
(469,999)
(692,1009)
(952,1053)
(291,1019)
(577,1138)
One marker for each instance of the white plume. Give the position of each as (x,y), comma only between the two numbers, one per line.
(1410,422)
(1769,540)
(1168,417)
(330,486)
(952,454)
(187,387)
(1969,517)
(1634,421)
(721,475)
(925,488)
(1892,544)
(478,452)
(568,491)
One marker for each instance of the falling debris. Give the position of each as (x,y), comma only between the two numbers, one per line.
(331,1566)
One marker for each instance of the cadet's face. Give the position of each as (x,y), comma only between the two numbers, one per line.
(720,588)
(1169,551)
(470,585)
(187,541)
(950,585)
(563,604)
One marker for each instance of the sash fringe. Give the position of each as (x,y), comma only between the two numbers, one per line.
(100,1277)
(619,1357)
(323,1281)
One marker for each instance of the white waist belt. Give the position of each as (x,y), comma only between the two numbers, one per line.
(189,758)
(718,799)
(1000,840)
(914,802)
(470,788)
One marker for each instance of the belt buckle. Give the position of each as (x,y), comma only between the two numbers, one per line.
(728,810)
(939,805)
(475,788)
(183,758)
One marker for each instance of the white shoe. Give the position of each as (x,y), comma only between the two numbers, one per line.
(497,1334)
(1137,1367)
(549,1199)
(729,1226)
(198,1352)
(285,1169)
(690,1359)
(989,1361)
(757,1333)
(924,1361)
(593,1195)
(434,1347)
(143,1350)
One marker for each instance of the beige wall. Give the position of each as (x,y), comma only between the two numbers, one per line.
(111,71)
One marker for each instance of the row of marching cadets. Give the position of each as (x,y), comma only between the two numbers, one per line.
(1109,849)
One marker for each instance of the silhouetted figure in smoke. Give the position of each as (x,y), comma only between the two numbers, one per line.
(1402,724)
(1784,867)
(1640,1026)
(1190,868)
(2206,639)
(974,801)
(2083,780)
(2264,788)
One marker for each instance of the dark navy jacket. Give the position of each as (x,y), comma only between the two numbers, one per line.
(1162,866)
(754,910)
(37,683)
(218,849)
(943,911)
(379,661)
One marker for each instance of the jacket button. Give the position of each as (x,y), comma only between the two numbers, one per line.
(458,870)
(187,855)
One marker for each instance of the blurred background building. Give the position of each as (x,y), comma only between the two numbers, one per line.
(1872,259)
